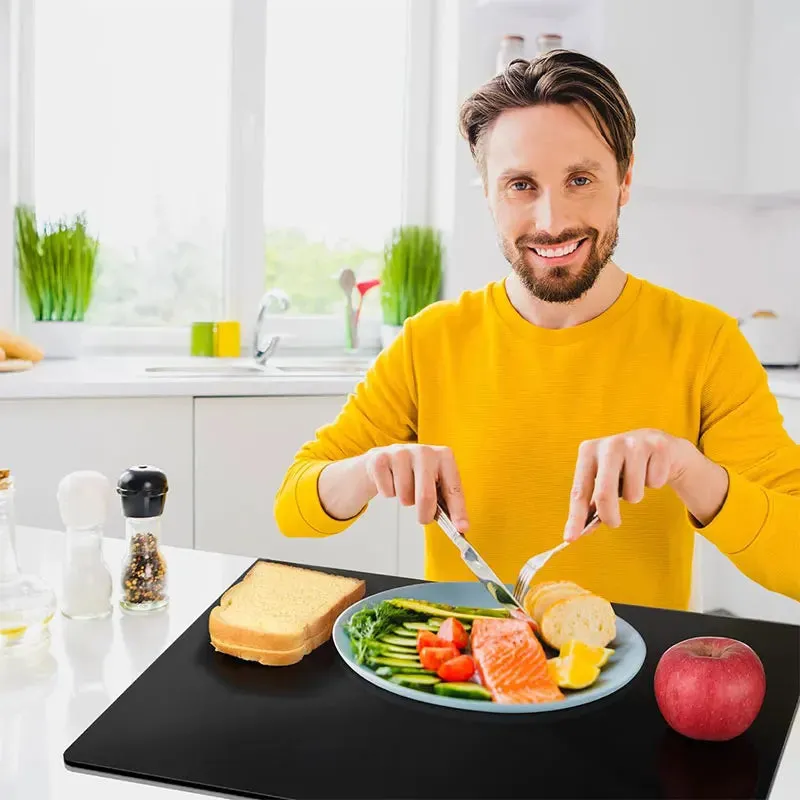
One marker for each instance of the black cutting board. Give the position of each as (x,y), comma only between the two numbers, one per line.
(197,718)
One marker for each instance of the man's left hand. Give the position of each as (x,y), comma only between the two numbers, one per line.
(625,464)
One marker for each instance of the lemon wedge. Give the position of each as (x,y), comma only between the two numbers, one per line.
(570,672)
(591,655)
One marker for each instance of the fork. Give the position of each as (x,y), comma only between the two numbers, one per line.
(535,563)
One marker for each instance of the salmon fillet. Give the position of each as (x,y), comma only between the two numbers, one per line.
(511,662)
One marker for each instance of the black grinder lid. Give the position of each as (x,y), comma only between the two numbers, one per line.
(143,490)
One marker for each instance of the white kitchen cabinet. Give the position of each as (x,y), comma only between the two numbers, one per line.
(243,447)
(722,585)
(725,587)
(411,544)
(683,65)
(774,98)
(790,409)
(42,440)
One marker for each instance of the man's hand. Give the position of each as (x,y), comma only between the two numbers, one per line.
(625,464)
(412,473)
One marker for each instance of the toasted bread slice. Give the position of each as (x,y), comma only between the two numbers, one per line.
(277,614)
(585,617)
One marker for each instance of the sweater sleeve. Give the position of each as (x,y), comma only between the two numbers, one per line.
(381,411)
(758,526)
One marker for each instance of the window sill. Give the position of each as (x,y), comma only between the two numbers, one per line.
(299,335)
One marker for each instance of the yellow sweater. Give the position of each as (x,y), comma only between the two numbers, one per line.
(514,401)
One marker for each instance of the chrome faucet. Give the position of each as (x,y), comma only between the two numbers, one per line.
(274,300)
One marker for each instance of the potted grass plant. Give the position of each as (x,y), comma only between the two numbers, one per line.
(411,278)
(57,272)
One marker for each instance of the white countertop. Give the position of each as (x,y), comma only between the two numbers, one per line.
(127,376)
(47,703)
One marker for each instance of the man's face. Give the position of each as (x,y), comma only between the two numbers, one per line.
(554,191)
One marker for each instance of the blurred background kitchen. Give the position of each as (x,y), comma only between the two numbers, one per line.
(205,153)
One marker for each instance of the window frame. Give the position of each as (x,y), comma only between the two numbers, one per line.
(243,262)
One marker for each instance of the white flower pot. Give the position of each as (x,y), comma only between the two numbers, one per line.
(389,333)
(57,339)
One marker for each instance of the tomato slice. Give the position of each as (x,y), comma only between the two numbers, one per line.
(457,670)
(433,657)
(451,630)
(429,639)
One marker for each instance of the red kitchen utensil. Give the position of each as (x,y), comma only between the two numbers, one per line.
(363,287)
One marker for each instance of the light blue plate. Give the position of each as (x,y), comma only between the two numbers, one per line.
(622,667)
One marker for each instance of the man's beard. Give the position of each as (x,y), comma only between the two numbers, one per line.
(558,285)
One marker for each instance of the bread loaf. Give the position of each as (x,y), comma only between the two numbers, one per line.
(18,347)
(278,614)
(563,611)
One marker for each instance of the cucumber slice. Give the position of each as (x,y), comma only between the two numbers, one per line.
(398,663)
(400,656)
(400,630)
(387,672)
(399,641)
(393,648)
(425,682)
(413,627)
(464,691)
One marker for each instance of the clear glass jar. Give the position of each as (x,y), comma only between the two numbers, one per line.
(27,603)
(511,47)
(144,570)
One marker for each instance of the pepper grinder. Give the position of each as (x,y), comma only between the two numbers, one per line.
(83,502)
(143,491)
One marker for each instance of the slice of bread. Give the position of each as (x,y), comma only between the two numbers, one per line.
(585,617)
(278,614)
(552,595)
(534,592)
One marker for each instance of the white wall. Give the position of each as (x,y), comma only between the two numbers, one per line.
(728,251)
(725,253)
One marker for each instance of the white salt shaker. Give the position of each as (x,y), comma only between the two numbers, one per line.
(83,499)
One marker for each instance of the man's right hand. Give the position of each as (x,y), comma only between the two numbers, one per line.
(412,473)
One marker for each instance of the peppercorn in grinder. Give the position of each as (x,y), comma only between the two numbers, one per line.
(143,491)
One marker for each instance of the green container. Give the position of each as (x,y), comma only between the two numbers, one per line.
(202,338)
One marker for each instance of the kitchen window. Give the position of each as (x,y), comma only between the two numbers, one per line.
(220,148)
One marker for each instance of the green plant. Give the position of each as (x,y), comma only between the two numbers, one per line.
(56,266)
(412,272)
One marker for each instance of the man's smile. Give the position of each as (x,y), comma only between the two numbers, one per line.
(558,256)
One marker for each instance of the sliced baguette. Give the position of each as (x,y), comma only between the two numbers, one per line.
(585,617)
(277,614)
(554,594)
(534,592)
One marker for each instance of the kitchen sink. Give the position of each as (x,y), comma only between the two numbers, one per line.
(222,370)
(279,367)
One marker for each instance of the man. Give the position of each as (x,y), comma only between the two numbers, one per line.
(545,395)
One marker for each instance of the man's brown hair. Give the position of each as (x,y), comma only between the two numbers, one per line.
(563,77)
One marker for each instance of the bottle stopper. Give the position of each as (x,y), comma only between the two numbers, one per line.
(83,499)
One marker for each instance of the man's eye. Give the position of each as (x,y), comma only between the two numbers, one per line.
(519,186)
(581,180)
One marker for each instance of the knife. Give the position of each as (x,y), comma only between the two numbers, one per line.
(479,568)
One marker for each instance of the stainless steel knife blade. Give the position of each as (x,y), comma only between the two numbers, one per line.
(479,568)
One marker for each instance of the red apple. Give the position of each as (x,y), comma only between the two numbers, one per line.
(710,687)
